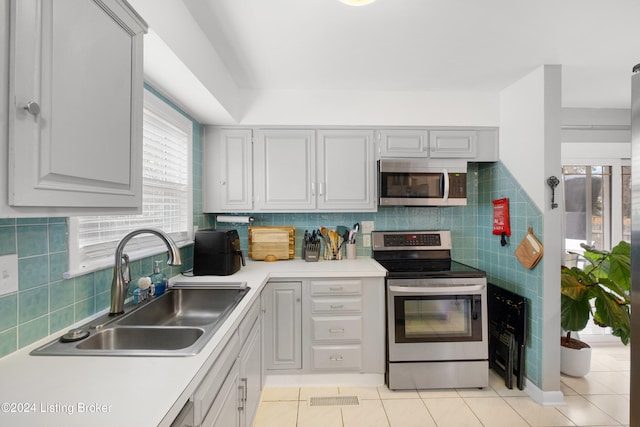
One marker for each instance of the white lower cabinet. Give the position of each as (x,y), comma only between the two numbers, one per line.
(250,376)
(225,410)
(339,328)
(229,394)
(281,315)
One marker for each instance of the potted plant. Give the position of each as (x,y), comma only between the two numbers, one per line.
(606,281)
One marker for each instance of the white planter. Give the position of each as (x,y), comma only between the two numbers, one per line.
(575,363)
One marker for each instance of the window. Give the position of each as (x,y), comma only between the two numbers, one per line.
(166,199)
(597,203)
(587,194)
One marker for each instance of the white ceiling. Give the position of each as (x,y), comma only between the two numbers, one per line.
(425,45)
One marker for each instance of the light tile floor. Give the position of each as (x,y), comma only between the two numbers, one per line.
(601,398)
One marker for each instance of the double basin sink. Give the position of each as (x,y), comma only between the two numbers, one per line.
(178,323)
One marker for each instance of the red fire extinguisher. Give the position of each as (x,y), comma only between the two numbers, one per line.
(501,219)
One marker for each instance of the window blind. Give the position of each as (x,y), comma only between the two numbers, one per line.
(166,199)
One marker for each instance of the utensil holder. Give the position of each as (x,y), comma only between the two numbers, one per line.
(351,250)
(312,252)
(332,253)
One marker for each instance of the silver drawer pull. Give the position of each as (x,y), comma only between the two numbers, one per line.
(336,358)
(336,330)
(337,305)
(337,288)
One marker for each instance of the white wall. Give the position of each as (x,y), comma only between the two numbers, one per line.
(370,108)
(181,62)
(522,133)
(530,118)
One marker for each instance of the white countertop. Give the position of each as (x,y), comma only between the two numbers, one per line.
(137,391)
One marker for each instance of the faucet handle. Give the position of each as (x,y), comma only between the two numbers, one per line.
(126,274)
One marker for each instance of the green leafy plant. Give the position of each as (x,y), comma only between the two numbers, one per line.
(606,280)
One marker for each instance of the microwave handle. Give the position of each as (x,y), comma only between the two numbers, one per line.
(445,183)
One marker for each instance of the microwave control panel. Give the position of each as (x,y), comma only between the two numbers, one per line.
(458,185)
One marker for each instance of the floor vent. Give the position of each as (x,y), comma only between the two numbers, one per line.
(334,401)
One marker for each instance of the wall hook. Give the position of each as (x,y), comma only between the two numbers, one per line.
(553,183)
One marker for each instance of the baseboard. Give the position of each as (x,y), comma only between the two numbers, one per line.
(545,398)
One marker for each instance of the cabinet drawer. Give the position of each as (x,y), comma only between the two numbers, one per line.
(337,328)
(339,357)
(336,287)
(336,305)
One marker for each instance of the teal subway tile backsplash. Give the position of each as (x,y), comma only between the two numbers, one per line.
(32,331)
(84,287)
(7,239)
(8,341)
(57,265)
(32,240)
(58,237)
(60,319)
(33,271)
(61,294)
(8,311)
(500,263)
(33,303)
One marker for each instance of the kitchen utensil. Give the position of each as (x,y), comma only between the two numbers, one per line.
(354,232)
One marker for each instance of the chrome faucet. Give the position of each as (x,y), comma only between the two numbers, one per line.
(121,279)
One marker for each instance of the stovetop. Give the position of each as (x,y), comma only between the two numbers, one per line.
(453,269)
(419,254)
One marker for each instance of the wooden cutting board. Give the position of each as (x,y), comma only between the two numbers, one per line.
(272,243)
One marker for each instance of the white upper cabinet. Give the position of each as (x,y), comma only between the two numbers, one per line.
(75,114)
(285,170)
(228,170)
(404,143)
(453,144)
(346,170)
(473,144)
(294,171)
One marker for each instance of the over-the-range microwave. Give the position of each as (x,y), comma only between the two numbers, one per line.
(422,182)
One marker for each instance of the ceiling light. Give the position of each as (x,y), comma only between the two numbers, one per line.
(357,2)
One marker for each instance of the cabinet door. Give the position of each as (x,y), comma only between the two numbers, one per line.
(225,411)
(404,143)
(250,376)
(453,143)
(228,170)
(75,122)
(346,170)
(282,316)
(285,170)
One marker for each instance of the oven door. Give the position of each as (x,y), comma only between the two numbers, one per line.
(437,319)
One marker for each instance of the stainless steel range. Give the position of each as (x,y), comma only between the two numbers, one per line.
(436,313)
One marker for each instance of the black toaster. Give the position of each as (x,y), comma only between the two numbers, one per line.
(217,253)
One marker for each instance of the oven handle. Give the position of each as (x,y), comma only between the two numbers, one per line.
(457,290)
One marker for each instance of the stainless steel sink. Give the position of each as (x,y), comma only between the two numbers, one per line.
(185,307)
(142,339)
(178,323)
